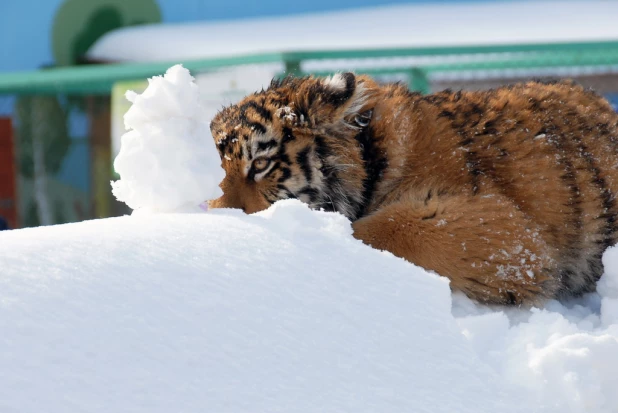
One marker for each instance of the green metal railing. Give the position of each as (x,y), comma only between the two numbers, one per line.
(99,79)
(84,93)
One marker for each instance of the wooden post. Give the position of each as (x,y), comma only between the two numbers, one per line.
(100,154)
(8,175)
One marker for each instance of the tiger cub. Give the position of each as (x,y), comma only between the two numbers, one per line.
(510,193)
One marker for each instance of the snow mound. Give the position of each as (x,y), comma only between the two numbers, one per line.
(223,312)
(278,311)
(564,356)
(168,160)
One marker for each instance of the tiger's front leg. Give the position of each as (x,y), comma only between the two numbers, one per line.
(483,244)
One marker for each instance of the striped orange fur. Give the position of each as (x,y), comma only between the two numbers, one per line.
(510,193)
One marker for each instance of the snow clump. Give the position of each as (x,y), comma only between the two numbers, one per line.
(168,161)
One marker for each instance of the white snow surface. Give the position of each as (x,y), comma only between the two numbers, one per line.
(413,25)
(168,160)
(223,312)
(275,312)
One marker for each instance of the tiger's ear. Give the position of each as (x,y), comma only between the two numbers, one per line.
(331,100)
(338,89)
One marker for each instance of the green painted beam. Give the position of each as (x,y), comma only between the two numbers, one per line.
(533,62)
(99,79)
(450,50)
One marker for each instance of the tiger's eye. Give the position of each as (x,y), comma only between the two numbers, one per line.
(260,164)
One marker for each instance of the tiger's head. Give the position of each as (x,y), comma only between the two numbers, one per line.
(301,138)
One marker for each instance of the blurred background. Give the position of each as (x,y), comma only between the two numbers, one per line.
(66,65)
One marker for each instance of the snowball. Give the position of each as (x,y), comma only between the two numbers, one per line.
(168,161)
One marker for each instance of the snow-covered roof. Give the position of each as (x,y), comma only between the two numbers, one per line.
(456,24)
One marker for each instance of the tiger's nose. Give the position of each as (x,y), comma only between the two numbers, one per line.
(226,201)
(247,200)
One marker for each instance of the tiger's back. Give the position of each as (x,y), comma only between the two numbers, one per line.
(510,193)
(550,149)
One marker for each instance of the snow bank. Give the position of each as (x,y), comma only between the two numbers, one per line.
(564,356)
(168,161)
(278,311)
(223,312)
